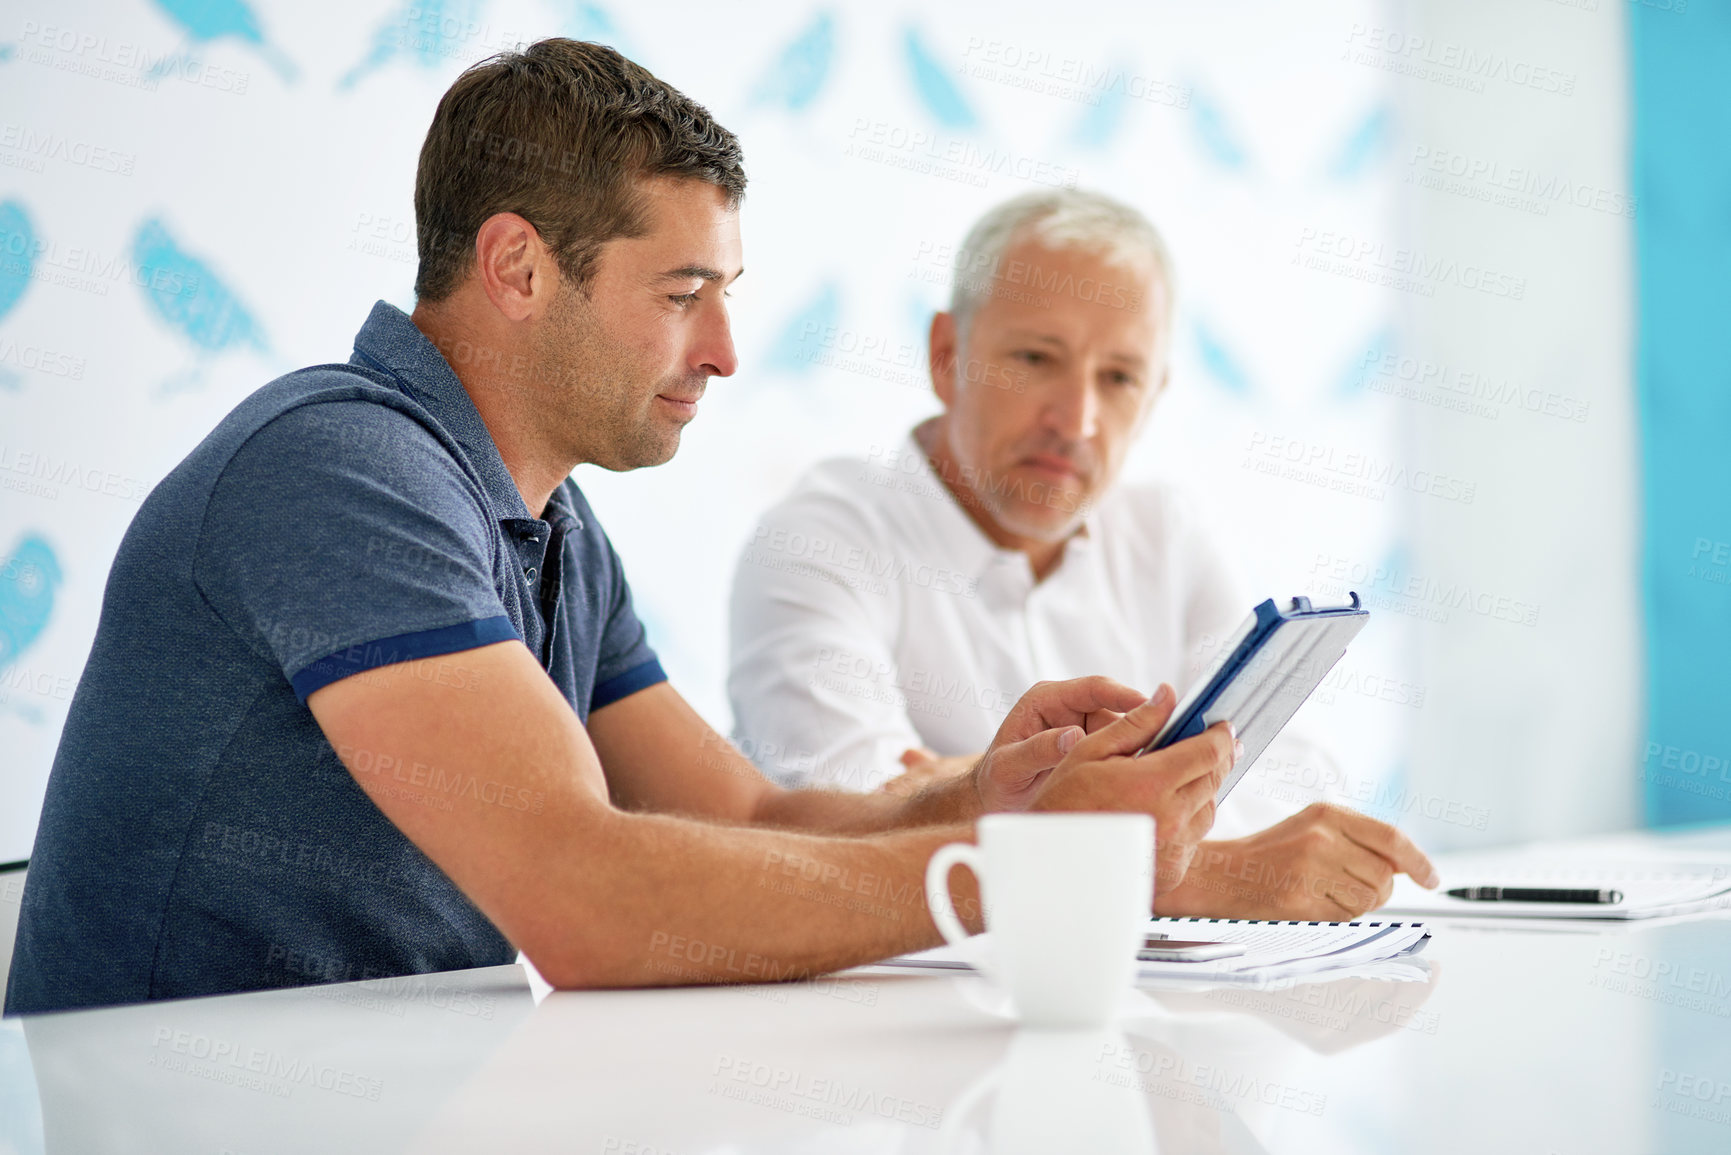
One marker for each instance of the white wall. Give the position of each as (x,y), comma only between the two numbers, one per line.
(1249,132)
(1540,722)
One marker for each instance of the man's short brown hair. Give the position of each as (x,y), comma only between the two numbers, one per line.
(558,133)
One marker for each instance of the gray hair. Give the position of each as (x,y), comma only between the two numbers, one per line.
(1064,218)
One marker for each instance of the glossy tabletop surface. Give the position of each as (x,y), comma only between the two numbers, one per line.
(1569,1037)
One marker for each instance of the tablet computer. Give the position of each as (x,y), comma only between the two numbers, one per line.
(1262,675)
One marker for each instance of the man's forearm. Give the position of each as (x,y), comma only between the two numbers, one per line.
(613,882)
(1230,879)
(946,802)
(658,900)
(1202,893)
(647,742)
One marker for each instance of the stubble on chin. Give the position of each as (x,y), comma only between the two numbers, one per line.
(1014,518)
(652,445)
(1050,521)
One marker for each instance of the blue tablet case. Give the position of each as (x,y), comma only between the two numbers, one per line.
(1262,675)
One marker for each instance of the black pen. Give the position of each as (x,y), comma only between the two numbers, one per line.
(1535,894)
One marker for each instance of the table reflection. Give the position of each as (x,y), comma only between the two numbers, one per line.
(346,1067)
(1055,1091)
(1567,1039)
(1326,1015)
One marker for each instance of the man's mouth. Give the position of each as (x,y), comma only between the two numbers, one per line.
(684,402)
(1054,464)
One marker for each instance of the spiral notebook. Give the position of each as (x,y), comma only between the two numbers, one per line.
(1273,950)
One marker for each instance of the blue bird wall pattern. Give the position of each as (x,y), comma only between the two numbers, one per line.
(183,292)
(29,575)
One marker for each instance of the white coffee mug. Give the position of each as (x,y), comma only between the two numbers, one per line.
(1066,900)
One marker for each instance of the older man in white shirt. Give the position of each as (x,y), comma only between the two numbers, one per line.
(888,613)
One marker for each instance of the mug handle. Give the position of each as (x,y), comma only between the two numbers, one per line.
(938,899)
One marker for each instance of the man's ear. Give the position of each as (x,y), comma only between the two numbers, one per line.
(941,356)
(515,269)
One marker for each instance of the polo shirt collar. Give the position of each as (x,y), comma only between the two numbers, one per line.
(391,342)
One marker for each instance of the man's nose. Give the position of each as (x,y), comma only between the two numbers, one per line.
(1073,411)
(713,354)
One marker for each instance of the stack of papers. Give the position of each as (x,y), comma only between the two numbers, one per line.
(1650,889)
(1284,950)
(1274,951)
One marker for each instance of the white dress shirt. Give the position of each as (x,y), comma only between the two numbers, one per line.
(870,615)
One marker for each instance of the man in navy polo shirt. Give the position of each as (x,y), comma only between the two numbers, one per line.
(368,697)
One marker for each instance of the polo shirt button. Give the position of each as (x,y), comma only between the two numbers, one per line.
(529,572)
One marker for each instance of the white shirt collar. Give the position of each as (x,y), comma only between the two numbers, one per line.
(978,555)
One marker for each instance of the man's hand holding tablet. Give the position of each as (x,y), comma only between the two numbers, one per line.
(1101,770)
(1068,748)
(1325,862)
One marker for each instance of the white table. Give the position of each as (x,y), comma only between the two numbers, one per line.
(1569,1038)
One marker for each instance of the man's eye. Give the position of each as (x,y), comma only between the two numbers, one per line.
(1119,377)
(684,299)
(1029,356)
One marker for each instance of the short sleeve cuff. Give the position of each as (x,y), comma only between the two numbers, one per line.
(624,685)
(405,648)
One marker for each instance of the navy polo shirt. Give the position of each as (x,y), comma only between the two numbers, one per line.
(199,833)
